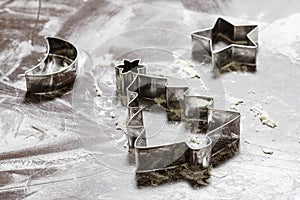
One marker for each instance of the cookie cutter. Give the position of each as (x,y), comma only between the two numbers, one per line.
(178,160)
(57,71)
(240,50)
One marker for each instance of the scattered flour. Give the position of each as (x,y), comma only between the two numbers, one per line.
(186,69)
(103,62)
(283,37)
(46,160)
(177,195)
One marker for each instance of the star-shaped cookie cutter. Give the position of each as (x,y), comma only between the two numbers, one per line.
(57,71)
(240,51)
(178,160)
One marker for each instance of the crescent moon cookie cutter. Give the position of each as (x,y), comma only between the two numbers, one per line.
(57,71)
(231,47)
(186,159)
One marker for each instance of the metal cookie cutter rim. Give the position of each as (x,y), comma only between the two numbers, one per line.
(136,131)
(248,42)
(64,50)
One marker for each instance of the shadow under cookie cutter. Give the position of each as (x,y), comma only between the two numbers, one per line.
(179,160)
(57,71)
(240,51)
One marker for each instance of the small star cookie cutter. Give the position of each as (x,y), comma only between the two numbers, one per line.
(172,161)
(240,50)
(57,71)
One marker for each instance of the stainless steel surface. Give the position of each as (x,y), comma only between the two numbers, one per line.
(70,147)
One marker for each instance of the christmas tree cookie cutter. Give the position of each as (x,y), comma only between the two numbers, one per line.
(171,161)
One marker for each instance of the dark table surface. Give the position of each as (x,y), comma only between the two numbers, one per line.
(71,147)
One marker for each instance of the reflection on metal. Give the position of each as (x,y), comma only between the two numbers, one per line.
(181,160)
(239,45)
(57,71)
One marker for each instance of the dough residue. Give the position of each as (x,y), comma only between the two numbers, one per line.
(263,116)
